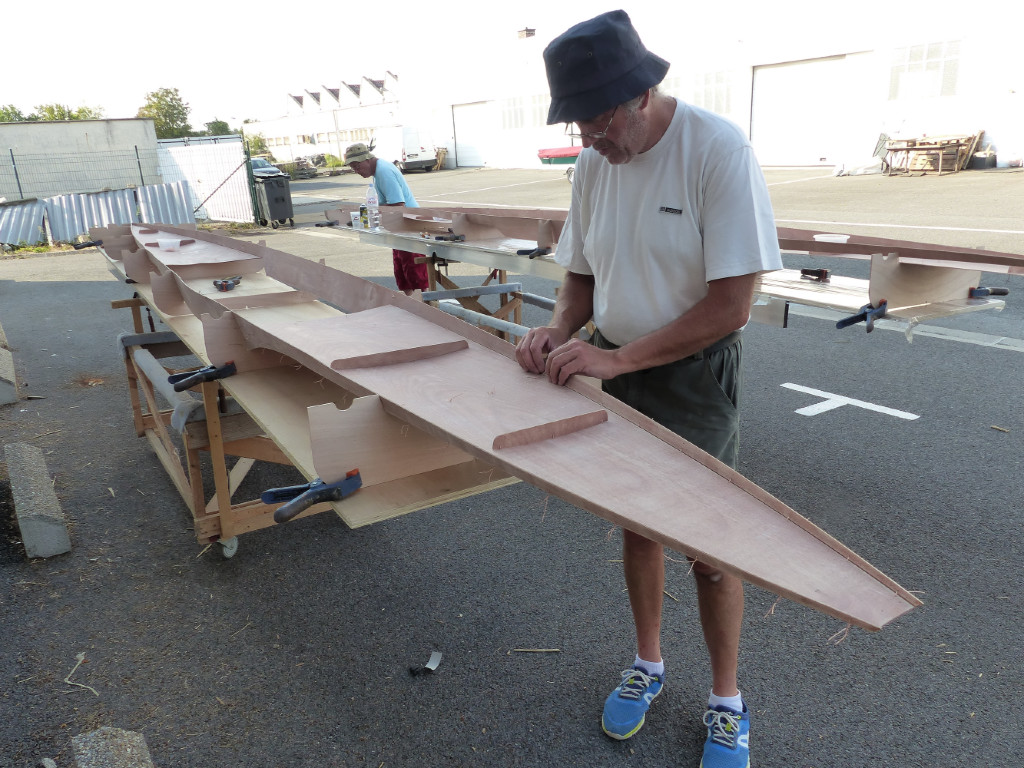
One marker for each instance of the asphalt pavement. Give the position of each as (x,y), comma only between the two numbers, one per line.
(297,651)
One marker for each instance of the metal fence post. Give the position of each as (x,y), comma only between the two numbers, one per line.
(251,180)
(17,178)
(138,160)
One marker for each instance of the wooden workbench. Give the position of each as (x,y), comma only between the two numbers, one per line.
(273,425)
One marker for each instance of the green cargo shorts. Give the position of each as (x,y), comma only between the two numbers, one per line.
(696,397)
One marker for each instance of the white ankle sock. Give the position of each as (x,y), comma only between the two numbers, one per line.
(735,703)
(652,667)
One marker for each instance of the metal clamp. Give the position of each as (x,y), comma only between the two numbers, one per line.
(299,498)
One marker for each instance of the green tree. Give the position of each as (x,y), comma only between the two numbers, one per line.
(53,112)
(218,128)
(168,112)
(10,114)
(256,143)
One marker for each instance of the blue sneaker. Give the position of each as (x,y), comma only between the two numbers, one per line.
(626,707)
(728,738)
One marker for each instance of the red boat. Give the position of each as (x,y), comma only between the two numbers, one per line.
(559,156)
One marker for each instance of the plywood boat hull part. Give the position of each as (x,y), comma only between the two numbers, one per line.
(461,387)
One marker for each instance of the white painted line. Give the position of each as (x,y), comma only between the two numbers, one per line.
(834,224)
(832,401)
(797,181)
(317,233)
(560,176)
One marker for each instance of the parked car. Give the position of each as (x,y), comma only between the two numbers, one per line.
(401,145)
(264,169)
(419,158)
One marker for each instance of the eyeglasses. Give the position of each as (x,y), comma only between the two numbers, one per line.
(594,135)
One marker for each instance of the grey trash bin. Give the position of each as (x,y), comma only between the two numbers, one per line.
(275,200)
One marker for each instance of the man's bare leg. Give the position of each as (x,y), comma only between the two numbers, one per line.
(625,709)
(644,566)
(720,600)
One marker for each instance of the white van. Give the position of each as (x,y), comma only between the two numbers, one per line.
(400,144)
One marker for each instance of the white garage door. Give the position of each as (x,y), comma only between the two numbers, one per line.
(477,128)
(814,112)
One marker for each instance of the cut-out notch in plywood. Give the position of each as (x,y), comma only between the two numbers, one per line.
(224,343)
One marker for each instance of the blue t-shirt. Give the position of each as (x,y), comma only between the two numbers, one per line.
(391,186)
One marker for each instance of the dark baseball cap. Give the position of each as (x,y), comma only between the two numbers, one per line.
(597,65)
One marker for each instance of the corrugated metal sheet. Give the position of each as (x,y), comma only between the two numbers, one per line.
(166,203)
(22,224)
(72,215)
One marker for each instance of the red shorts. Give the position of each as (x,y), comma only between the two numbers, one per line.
(408,274)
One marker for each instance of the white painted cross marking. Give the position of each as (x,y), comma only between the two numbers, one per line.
(832,401)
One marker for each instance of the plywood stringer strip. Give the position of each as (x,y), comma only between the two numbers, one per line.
(550,430)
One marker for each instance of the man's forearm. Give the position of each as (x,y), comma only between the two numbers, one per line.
(575,305)
(726,308)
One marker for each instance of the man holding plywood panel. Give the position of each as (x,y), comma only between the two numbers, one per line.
(669,225)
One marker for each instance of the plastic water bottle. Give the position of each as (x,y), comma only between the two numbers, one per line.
(373,213)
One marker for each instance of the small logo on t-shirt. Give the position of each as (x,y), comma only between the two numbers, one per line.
(666,209)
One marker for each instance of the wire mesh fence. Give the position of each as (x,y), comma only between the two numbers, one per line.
(216,172)
(24,176)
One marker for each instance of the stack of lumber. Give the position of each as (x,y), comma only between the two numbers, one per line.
(941,154)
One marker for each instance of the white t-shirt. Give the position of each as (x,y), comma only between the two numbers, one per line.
(655,230)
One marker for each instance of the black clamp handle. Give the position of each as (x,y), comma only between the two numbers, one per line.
(534,252)
(189,379)
(867,315)
(980,293)
(228,283)
(299,498)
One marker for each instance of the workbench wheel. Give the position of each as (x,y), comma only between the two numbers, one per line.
(273,224)
(228,547)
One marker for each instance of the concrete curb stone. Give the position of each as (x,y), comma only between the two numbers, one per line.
(44,530)
(8,380)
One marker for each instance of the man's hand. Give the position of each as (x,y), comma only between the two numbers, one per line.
(549,351)
(579,357)
(534,347)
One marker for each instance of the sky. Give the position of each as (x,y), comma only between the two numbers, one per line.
(234,61)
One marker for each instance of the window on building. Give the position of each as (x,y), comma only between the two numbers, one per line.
(925,71)
(512,114)
(712,91)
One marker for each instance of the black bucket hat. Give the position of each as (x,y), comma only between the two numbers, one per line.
(596,65)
